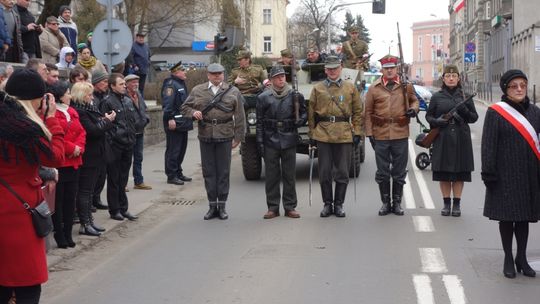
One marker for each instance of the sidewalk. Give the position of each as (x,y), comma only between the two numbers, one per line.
(139,200)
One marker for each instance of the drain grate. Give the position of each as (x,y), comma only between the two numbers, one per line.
(179,202)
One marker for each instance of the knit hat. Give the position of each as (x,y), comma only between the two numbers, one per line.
(98,76)
(508,76)
(62,9)
(25,84)
(58,89)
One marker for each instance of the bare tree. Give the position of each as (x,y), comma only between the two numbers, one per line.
(315,14)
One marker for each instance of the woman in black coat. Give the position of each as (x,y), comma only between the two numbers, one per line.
(511,168)
(452,160)
(95,124)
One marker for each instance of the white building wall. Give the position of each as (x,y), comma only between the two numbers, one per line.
(276,29)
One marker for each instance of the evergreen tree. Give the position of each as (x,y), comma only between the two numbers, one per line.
(364,32)
(349,21)
(358,21)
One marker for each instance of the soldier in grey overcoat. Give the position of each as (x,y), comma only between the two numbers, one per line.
(511,168)
(218,108)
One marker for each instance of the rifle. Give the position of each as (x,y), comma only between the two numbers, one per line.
(402,75)
(359,62)
(295,89)
(434,132)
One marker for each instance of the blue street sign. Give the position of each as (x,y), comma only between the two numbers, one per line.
(199,46)
(470,57)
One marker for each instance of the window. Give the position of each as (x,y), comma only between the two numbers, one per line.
(488,10)
(267,16)
(420,46)
(267,44)
(420,73)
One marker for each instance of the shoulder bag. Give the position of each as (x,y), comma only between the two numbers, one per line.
(41,214)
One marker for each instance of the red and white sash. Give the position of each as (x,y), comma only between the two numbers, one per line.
(522,125)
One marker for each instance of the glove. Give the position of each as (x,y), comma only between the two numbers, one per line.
(457,117)
(312,142)
(411,113)
(260,147)
(463,110)
(440,122)
(372,141)
(357,139)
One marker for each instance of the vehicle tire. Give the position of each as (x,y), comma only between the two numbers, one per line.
(251,161)
(355,164)
(422,160)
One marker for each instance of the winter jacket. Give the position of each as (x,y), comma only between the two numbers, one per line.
(323,105)
(122,136)
(140,56)
(75,135)
(69,28)
(452,149)
(22,253)
(50,46)
(141,117)
(5,37)
(385,111)
(510,168)
(230,114)
(30,38)
(13,29)
(276,122)
(62,64)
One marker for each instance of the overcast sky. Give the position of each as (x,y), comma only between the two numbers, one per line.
(383,29)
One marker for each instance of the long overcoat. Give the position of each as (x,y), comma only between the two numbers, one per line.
(511,169)
(452,149)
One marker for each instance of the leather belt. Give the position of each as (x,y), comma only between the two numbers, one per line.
(273,123)
(333,118)
(217,121)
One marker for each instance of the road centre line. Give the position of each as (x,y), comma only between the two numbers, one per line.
(423,224)
(408,195)
(422,286)
(432,260)
(455,290)
(424,191)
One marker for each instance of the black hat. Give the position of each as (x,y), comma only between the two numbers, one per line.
(25,84)
(277,70)
(508,76)
(58,89)
(177,67)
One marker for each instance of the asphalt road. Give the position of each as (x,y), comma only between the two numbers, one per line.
(171,255)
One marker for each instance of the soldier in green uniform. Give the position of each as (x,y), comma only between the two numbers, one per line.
(356,51)
(248,77)
(334,119)
(286,57)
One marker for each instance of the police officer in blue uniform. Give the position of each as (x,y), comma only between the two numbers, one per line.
(173,94)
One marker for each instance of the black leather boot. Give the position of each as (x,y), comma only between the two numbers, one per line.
(384,190)
(95,226)
(456,209)
(326,191)
(83,208)
(212,212)
(68,235)
(445,211)
(222,212)
(339,198)
(397,193)
(60,239)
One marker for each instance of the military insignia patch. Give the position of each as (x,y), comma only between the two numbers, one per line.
(169,91)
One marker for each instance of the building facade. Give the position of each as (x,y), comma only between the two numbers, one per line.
(266,27)
(430,49)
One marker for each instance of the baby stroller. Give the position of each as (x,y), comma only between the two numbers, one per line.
(423,159)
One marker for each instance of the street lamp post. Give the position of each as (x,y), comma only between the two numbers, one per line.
(329,19)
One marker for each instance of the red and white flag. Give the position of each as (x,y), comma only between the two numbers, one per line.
(458,5)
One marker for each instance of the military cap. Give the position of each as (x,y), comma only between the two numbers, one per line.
(243,54)
(131,77)
(177,67)
(286,53)
(215,68)
(389,61)
(332,62)
(313,50)
(277,70)
(450,68)
(354,29)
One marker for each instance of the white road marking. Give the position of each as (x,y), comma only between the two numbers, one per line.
(455,291)
(423,224)
(424,292)
(408,195)
(424,191)
(432,260)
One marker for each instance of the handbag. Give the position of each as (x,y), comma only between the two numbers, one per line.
(183,123)
(41,214)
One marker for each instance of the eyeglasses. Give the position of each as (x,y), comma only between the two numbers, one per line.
(451,75)
(54,23)
(515,86)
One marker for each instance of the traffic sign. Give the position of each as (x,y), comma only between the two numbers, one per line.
(121,38)
(470,57)
(470,47)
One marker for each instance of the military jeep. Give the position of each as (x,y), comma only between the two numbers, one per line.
(252,160)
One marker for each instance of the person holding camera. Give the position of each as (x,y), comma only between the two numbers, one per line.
(173,94)
(334,120)
(452,160)
(30,136)
(390,104)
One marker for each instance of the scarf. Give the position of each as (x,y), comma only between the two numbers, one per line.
(283,93)
(18,130)
(521,107)
(89,63)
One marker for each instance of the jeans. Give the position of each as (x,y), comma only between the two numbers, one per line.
(24,294)
(137,159)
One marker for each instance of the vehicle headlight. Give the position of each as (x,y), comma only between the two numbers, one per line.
(251,117)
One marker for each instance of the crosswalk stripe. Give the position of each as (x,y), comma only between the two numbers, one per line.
(432,260)
(408,195)
(423,224)
(424,191)
(422,286)
(455,291)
